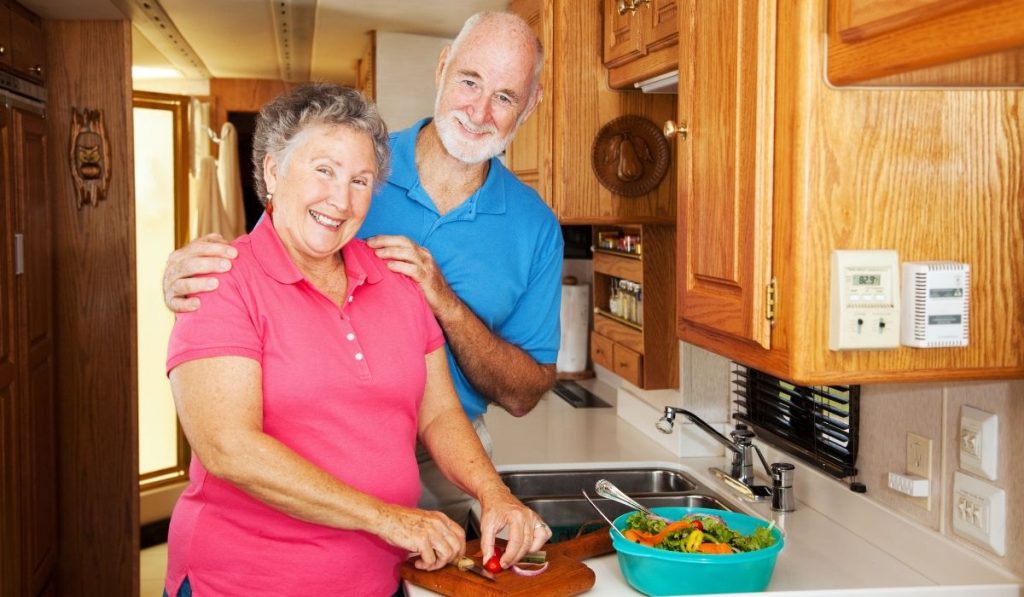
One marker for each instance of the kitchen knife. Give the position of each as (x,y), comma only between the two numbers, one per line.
(471,565)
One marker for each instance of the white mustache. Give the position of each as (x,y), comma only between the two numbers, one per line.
(463,119)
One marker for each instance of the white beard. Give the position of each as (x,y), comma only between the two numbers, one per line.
(467,150)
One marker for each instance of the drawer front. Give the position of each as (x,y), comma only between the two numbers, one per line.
(601,351)
(628,365)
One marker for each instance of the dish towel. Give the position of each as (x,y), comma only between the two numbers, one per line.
(230,182)
(211,217)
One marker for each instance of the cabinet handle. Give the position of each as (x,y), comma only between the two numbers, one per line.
(625,6)
(19,253)
(36,70)
(671,129)
(3,50)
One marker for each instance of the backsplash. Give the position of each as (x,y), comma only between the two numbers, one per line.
(888,412)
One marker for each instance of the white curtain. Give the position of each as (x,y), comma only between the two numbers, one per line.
(230,182)
(211,216)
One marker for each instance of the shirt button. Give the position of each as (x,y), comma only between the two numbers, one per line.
(359,356)
(350,336)
(350,298)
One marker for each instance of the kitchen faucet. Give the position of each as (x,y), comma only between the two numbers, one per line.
(741,472)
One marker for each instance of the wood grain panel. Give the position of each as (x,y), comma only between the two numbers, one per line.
(863,19)
(623,38)
(5,35)
(927,39)
(95,317)
(619,333)
(32,210)
(583,103)
(725,216)
(661,23)
(28,57)
(242,95)
(620,267)
(528,155)
(992,70)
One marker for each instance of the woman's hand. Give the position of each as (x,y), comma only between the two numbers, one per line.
(526,531)
(431,536)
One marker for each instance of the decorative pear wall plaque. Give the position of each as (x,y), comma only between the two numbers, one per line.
(630,156)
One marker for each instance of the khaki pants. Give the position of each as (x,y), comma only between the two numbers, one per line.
(438,493)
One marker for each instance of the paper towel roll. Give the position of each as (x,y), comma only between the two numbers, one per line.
(575,323)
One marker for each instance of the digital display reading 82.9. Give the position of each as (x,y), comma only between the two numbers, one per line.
(867,280)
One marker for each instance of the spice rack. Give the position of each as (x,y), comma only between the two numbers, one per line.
(634,304)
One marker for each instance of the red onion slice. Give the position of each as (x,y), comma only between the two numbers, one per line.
(530,571)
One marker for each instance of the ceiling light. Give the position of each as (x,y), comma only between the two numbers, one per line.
(156,72)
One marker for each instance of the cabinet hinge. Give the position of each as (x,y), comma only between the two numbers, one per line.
(770,299)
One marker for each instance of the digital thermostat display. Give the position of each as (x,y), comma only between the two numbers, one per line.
(867,280)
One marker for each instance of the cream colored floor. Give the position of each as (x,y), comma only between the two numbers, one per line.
(152,568)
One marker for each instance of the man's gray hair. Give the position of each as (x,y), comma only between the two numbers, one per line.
(508,21)
(282,121)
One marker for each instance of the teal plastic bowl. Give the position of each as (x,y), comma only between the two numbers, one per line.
(659,572)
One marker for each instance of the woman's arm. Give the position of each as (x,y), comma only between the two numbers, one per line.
(454,445)
(220,404)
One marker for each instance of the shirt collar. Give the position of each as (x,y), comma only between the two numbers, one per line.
(489,198)
(361,264)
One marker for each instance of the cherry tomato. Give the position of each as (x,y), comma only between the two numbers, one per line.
(697,525)
(493,565)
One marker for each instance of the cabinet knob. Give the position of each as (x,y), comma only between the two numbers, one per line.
(3,49)
(36,70)
(671,128)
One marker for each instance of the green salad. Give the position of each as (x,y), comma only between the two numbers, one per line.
(695,533)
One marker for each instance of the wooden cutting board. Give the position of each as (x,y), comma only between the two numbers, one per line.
(566,574)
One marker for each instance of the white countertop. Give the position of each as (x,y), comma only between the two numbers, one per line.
(840,543)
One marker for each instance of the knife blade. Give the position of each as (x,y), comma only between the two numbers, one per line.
(471,565)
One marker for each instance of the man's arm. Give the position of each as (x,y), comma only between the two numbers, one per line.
(500,370)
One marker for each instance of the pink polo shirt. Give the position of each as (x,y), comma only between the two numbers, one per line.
(341,387)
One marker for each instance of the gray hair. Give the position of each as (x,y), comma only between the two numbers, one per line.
(509,22)
(282,121)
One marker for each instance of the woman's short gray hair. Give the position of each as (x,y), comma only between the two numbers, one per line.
(281,121)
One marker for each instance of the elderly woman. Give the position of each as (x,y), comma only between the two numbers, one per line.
(304,381)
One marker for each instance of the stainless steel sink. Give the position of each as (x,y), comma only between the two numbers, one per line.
(569,516)
(569,483)
(556,495)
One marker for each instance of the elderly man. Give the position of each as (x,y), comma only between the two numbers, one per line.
(485,249)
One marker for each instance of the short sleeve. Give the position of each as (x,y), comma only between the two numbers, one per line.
(431,329)
(224,325)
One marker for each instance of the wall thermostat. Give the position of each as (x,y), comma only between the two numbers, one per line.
(865,300)
(936,304)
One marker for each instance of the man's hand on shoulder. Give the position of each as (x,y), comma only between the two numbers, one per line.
(406,257)
(184,274)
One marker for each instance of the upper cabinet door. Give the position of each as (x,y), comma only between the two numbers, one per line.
(870,39)
(28,52)
(528,155)
(5,34)
(726,164)
(661,23)
(623,40)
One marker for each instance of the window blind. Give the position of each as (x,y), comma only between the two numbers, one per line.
(818,424)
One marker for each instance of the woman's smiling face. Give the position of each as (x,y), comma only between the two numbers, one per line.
(321,190)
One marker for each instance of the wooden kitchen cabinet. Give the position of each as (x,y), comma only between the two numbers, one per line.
(5,34)
(869,39)
(779,168)
(640,39)
(27,50)
(552,149)
(637,343)
(28,442)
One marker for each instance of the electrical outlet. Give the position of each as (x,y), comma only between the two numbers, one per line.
(979,441)
(979,512)
(919,456)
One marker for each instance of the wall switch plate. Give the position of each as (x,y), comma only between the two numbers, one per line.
(979,512)
(979,441)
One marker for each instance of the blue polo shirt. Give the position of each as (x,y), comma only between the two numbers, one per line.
(500,250)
